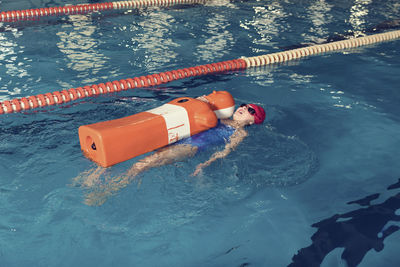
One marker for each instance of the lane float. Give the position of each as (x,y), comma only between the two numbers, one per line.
(111,142)
(31,14)
(65,96)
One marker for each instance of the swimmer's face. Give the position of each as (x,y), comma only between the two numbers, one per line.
(243,115)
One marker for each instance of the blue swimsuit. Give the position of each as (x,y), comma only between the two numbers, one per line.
(218,135)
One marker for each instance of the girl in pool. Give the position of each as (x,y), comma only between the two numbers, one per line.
(228,131)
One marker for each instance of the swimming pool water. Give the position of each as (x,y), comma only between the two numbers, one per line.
(293,187)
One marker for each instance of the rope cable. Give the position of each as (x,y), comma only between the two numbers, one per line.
(47,99)
(29,14)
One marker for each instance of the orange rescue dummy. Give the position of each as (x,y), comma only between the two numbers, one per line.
(111,142)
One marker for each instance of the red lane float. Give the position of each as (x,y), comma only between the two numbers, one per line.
(72,94)
(111,142)
(31,14)
(10,106)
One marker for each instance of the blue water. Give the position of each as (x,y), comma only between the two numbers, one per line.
(331,138)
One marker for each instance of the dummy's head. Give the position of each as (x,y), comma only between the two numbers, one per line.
(249,113)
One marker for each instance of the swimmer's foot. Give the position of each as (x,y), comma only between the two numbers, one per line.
(88,178)
(97,198)
(101,193)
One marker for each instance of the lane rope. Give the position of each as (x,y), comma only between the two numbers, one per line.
(31,14)
(65,96)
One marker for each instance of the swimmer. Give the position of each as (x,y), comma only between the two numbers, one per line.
(231,132)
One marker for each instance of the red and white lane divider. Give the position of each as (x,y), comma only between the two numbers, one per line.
(65,96)
(30,14)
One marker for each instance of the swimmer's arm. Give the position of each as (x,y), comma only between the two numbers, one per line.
(236,138)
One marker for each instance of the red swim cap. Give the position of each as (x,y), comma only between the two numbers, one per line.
(259,116)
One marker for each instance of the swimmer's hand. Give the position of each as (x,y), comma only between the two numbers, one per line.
(199,169)
(203,98)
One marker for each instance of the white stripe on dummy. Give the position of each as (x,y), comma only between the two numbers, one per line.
(177,121)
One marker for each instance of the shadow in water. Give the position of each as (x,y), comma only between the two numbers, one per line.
(357,231)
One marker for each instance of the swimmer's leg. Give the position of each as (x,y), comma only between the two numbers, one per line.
(88,178)
(163,156)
